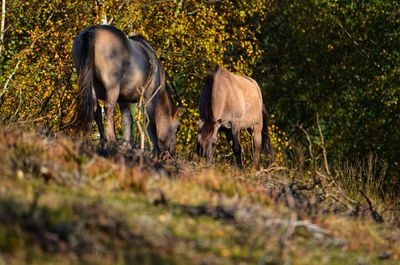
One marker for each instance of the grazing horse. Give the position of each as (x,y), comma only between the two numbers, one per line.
(229,103)
(117,69)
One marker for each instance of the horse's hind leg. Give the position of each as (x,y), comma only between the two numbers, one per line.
(127,121)
(112,94)
(237,149)
(98,117)
(257,140)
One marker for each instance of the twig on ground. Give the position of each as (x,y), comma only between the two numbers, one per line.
(271,168)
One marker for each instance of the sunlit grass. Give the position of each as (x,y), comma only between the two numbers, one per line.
(62,202)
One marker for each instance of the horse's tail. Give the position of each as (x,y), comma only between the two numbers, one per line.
(266,140)
(205,97)
(84,110)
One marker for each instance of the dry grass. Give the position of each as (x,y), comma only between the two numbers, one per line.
(78,201)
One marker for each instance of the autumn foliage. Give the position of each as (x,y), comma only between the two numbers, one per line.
(337,59)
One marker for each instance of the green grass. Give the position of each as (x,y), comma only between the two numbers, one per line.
(164,234)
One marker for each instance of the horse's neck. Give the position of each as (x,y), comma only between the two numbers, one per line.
(162,105)
(160,115)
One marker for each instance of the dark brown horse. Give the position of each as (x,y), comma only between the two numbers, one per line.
(229,103)
(117,69)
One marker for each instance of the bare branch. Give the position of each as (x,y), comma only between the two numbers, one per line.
(361,49)
(3,23)
(142,118)
(23,52)
(5,87)
(118,10)
(323,148)
(310,151)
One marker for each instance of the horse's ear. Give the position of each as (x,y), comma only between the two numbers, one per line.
(179,112)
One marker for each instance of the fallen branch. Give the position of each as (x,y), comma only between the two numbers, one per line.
(300,223)
(374,214)
(270,169)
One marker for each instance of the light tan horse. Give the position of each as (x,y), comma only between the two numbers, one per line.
(116,69)
(230,103)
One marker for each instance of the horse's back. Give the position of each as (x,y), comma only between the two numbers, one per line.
(120,64)
(236,98)
(109,48)
(111,56)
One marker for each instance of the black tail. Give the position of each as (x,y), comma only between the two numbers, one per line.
(266,141)
(205,96)
(84,110)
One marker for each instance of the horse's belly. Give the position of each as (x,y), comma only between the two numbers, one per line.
(129,93)
(132,87)
(250,116)
(249,123)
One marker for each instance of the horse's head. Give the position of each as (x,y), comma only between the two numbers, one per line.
(167,131)
(207,138)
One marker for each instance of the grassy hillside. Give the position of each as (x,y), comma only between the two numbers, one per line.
(66,201)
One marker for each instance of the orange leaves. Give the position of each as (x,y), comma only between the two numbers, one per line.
(194,36)
(190,36)
(42,45)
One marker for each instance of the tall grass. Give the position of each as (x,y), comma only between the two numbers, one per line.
(366,176)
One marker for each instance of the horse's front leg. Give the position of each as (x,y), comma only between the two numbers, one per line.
(237,149)
(110,104)
(228,135)
(127,121)
(151,128)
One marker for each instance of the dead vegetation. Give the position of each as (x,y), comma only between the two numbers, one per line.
(84,201)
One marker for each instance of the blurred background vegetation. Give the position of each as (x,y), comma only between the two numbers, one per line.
(326,67)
